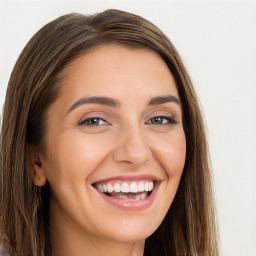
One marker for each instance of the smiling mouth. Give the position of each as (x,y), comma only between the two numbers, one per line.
(126,190)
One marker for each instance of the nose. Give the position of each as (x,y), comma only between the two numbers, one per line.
(133,148)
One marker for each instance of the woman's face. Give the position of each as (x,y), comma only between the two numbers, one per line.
(115,145)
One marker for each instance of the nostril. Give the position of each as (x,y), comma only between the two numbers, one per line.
(133,152)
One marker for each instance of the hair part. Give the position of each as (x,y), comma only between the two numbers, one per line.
(189,227)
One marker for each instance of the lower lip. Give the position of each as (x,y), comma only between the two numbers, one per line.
(137,205)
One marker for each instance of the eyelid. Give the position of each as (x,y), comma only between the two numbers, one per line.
(163,112)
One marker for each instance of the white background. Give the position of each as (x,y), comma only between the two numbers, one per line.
(217,41)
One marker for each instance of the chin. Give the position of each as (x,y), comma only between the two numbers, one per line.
(130,231)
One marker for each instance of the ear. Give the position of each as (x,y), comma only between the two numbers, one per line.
(37,172)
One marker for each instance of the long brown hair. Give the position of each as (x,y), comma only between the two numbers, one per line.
(189,227)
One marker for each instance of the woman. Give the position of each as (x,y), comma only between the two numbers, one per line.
(103,147)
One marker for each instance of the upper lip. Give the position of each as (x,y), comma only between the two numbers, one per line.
(129,178)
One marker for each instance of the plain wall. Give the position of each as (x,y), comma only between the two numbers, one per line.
(217,41)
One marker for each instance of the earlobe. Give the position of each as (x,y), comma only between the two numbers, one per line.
(39,179)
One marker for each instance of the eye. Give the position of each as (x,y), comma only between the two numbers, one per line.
(158,120)
(93,121)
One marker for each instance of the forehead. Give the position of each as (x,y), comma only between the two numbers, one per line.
(114,69)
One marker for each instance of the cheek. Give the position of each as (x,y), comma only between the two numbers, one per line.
(171,154)
(74,158)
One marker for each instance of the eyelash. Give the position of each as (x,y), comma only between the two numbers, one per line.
(85,121)
(169,121)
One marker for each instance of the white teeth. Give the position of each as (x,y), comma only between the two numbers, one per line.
(132,197)
(110,188)
(141,186)
(143,196)
(137,197)
(123,197)
(105,190)
(125,188)
(133,187)
(117,187)
(151,186)
(99,187)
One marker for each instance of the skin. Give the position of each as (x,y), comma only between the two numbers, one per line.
(129,143)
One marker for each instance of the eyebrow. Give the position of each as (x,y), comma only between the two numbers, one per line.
(97,100)
(163,99)
(115,103)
